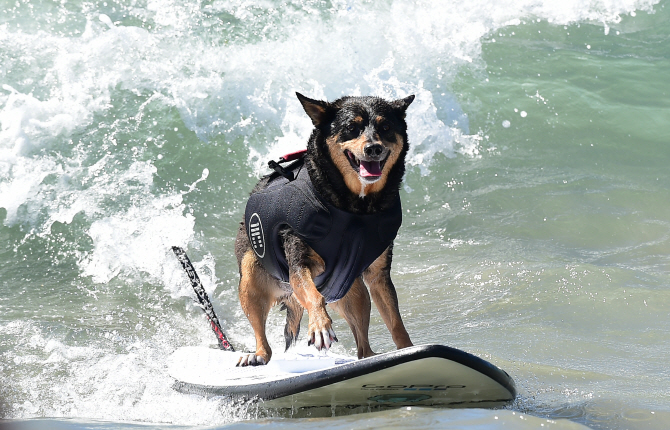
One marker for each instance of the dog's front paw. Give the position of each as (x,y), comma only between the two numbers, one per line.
(322,335)
(252,360)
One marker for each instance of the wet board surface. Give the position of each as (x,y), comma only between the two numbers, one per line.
(424,375)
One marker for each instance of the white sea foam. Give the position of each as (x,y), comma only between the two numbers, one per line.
(402,42)
(91,381)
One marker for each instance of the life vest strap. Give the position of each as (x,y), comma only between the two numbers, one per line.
(275,165)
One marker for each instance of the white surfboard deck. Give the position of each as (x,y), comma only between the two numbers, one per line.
(424,375)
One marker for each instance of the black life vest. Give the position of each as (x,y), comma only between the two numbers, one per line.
(348,243)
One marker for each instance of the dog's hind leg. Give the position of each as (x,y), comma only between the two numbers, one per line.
(355,307)
(258,293)
(378,279)
(294,313)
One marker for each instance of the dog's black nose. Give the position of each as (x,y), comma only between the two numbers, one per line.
(373,150)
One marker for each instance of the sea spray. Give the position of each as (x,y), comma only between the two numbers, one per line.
(552,228)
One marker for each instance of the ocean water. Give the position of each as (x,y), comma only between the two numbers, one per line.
(536,230)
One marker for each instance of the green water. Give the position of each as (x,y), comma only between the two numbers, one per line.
(536,231)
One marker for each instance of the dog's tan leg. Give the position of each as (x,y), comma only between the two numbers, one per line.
(355,309)
(294,313)
(378,278)
(303,265)
(257,296)
(320,331)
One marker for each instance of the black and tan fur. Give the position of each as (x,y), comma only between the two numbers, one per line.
(346,131)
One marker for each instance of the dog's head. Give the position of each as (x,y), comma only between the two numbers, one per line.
(365,139)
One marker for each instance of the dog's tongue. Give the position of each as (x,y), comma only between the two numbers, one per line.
(370,169)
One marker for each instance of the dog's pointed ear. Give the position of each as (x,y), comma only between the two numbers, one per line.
(317,110)
(403,104)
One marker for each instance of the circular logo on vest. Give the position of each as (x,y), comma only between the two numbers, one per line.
(256,237)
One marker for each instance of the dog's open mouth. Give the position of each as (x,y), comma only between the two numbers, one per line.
(370,170)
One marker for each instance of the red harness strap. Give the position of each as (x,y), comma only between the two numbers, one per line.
(292,156)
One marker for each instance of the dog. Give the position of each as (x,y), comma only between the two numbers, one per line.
(320,231)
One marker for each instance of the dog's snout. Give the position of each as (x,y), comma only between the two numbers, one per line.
(373,150)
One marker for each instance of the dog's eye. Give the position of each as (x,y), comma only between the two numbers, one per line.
(351,127)
(385,127)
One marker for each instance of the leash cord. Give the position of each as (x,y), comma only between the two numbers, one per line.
(205,304)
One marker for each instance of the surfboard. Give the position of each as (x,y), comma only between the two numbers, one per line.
(424,375)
